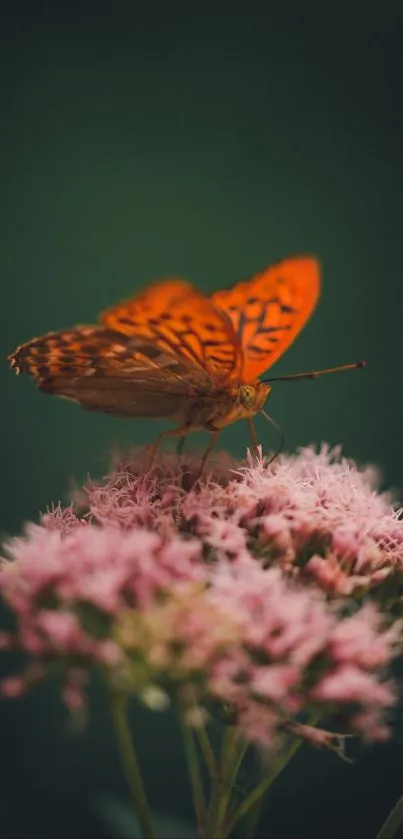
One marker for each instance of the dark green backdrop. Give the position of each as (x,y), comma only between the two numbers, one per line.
(142,141)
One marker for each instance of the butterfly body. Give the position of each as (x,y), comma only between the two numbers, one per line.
(173,352)
(222,407)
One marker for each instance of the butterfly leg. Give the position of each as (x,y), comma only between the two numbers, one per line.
(280,430)
(255,443)
(164,435)
(180,445)
(213,440)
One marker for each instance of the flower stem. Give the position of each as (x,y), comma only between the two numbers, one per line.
(194,771)
(261,788)
(231,756)
(252,819)
(393,821)
(207,751)
(131,765)
(235,759)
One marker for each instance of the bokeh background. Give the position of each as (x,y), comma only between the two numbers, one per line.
(207,140)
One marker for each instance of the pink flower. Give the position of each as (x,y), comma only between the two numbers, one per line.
(358,639)
(73,690)
(246,588)
(98,565)
(350,684)
(224,535)
(12,686)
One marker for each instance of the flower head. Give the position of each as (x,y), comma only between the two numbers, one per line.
(261,589)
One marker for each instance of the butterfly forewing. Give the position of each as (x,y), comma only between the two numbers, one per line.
(109,372)
(178,319)
(269,310)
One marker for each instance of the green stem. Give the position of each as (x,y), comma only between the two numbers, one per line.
(212,828)
(255,797)
(131,765)
(207,751)
(194,770)
(234,763)
(264,785)
(393,821)
(222,784)
(252,819)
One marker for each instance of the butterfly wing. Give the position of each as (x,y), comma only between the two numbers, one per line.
(269,310)
(176,318)
(105,371)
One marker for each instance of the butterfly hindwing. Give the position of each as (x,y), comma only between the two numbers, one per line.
(269,310)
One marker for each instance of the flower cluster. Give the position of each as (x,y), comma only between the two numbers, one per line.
(268,590)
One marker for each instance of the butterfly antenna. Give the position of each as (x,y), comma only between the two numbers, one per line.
(281,432)
(313,374)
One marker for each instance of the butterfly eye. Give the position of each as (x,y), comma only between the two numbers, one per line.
(247,395)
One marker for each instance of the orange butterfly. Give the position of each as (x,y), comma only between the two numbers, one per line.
(172,352)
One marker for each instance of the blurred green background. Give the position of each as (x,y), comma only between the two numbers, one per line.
(140,141)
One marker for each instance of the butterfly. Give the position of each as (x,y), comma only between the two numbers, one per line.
(172,352)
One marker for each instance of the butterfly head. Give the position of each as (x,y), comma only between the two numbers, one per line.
(253,397)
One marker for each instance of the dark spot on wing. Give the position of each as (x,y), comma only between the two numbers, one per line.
(219,359)
(148,350)
(268,329)
(40,357)
(261,350)
(174,367)
(288,310)
(90,349)
(128,321)
(67,357)
(68,369)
